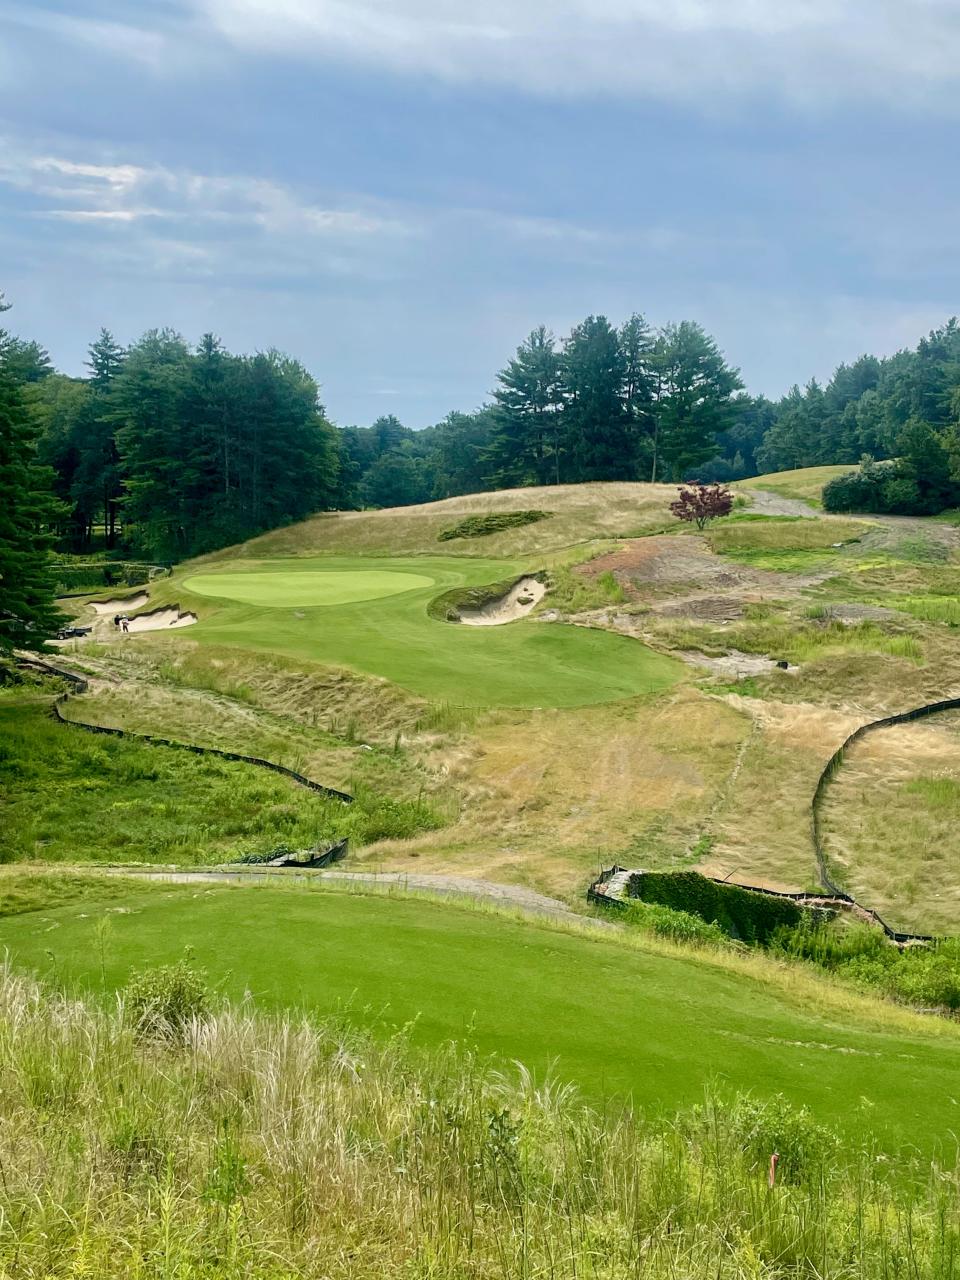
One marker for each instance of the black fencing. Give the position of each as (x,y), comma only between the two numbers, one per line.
(826,776)
(80,685)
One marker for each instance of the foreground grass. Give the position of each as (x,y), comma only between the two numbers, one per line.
(69,796)
(656,1025)
(277,1149)
(524,664)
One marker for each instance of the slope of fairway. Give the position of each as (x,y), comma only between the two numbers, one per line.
(614,1019)
(523,664)
(804,484)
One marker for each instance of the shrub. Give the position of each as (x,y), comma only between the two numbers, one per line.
(162,1002)
(678,926)
(493,522)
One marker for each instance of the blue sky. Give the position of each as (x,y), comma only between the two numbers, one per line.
(397,191)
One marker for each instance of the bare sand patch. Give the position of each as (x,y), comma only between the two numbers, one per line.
(161,619)
(522,597)
(119,603)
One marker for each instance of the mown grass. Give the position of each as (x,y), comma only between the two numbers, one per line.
(276,1148)
(782,543)
(70,796)
(805,484)
(616,1019)
(524,664)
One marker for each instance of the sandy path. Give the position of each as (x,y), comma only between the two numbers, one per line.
(505,895)
(765,503)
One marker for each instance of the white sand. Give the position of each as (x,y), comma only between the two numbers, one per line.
(516,604)
(162,620)
(119,605)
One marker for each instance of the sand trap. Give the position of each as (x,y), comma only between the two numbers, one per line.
(120,605)
(162,619)
(517,603)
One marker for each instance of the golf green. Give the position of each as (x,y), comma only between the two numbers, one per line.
(371,615)
(318,587)
(615,1020)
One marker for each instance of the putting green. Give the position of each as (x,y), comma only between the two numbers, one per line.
(371,614)
(307,590)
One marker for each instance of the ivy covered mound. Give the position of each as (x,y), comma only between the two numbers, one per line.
(751,917)
(373,615)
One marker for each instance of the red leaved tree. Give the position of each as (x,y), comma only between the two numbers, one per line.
(702,502)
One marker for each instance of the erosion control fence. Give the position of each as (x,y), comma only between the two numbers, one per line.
(79,685)
(831,768)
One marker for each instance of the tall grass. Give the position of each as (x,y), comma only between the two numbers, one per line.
(72,797)
(277,1149)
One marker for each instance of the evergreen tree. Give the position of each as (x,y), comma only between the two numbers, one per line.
(599,429)
(28,615)
(526,446)
(693,390)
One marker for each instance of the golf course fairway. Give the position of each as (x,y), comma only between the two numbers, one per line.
(615,1020)
(371,615)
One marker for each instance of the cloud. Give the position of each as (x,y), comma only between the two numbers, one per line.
(807,51)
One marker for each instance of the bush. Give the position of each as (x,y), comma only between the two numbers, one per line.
(493,522)
(161,1003)
(764,1127)
(739,913)
(678,926)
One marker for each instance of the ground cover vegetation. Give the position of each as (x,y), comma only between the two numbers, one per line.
(69,796)
(482,526)
(268,1146)
(880,1070)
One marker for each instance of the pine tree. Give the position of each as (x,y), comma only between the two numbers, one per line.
(526,444)
(599,430)
(28,615)
(693,403)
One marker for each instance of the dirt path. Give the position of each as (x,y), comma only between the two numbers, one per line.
(765,503)
(515,896)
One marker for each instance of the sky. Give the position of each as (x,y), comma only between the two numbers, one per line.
(397,191)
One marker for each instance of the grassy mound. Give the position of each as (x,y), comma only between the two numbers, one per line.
(805,484)
(493,522)
(611,1017)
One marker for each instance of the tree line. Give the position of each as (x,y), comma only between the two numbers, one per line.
(165,450)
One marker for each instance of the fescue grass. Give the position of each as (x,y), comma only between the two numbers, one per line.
(615,1019)
(277,1148)
(784,544)
(891,818)
(522,664)
(945,609)
(70,796)
(805,484)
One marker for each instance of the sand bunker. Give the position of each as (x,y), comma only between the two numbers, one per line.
(121,604)
(162,619)
(517,603)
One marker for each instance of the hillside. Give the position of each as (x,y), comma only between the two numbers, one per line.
(490,719)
